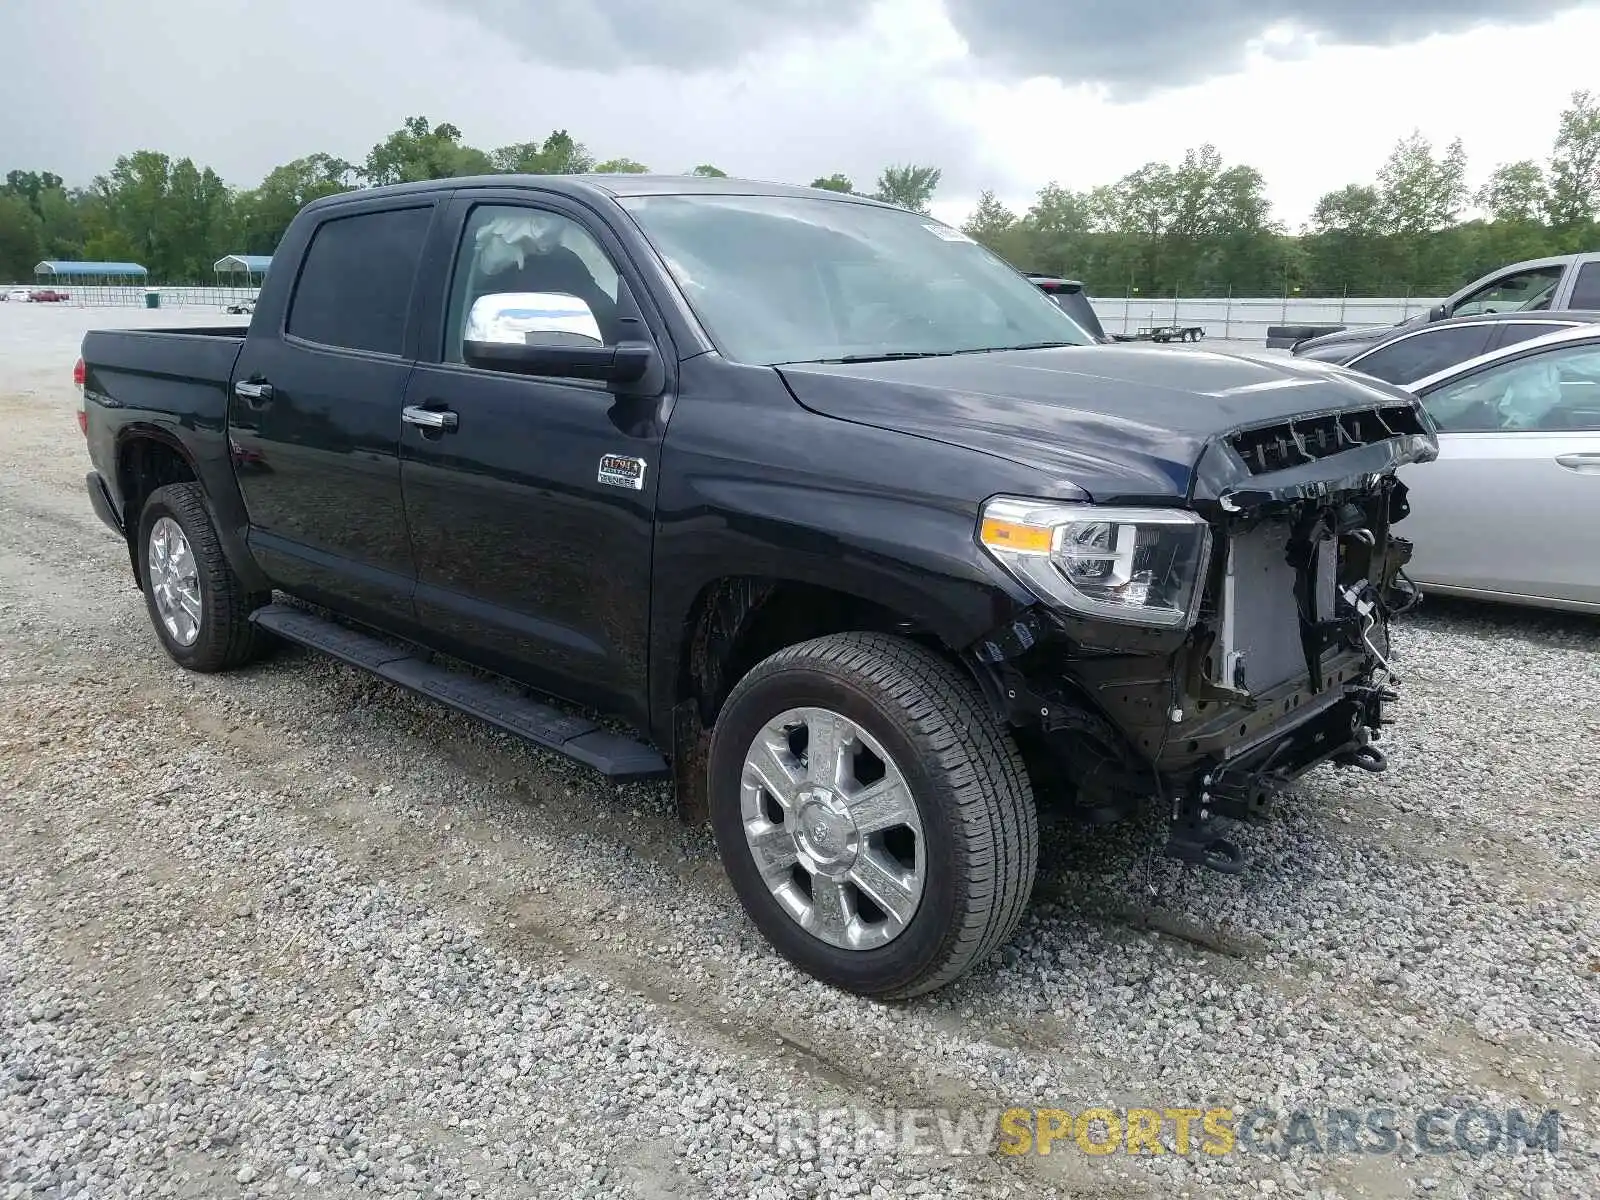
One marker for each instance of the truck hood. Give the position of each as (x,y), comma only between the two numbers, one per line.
(1121,423)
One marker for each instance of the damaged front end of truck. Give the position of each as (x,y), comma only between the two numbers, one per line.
(1203,658)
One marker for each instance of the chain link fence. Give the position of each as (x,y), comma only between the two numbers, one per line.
(1247,318)
(134,295)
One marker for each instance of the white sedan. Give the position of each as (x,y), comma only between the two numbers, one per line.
(1510,510)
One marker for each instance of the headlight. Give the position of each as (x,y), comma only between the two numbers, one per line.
(1140,565)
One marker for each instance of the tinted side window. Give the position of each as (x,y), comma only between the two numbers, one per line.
(354,290)
(1551,391)
(1410,358)
(1586,291)
(1513,332)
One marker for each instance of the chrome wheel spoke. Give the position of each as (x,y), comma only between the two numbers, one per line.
(882,805)
(826,733)
(766,762)
(895,891)
(829,917)
(774,850)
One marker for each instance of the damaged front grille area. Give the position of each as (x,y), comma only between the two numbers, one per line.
(1292,443)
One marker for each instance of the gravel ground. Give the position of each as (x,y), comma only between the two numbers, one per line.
(293,932)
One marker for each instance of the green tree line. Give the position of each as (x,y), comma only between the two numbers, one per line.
(1200,226)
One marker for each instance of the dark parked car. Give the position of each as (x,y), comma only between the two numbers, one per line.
(1564,282)
(1410,354)
(863,542)
(1073,300)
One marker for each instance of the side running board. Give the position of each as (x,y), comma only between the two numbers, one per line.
(618,757)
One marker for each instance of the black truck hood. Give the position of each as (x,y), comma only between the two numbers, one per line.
(1121,423)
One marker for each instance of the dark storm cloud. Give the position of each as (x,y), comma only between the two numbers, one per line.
(1136,48)
(1132,47)
(684,34)
(243,86)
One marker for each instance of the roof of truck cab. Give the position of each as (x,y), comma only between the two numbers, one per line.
(614,186)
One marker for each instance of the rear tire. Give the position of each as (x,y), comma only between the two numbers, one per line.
(955,879)
(198,605)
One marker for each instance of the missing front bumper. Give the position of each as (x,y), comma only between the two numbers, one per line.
(1245,786)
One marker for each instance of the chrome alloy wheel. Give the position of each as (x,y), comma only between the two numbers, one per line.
(174,581)
(833,828)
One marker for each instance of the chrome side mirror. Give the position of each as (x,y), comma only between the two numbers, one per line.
(533,319)
(553,335)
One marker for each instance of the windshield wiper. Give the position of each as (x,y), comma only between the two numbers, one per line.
(1021,346)
(888,356)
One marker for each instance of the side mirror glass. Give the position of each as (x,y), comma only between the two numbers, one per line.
(550,334)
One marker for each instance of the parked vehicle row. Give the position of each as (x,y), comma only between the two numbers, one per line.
(1414,353)
(872,545)
(1562,282)
(35,295)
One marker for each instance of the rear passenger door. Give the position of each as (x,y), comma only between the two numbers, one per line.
(314,418)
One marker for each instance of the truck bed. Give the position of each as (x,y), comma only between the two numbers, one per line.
(202,355)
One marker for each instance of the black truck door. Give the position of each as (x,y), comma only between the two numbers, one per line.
(314,418)
(531,502)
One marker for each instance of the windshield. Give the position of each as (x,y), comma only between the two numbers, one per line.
(779,279)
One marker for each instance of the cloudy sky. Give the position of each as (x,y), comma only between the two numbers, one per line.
(1005,94)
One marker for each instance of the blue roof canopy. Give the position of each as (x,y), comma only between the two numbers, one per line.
(256,264)
(89,268)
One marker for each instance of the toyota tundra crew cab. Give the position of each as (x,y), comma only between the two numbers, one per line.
(806,502)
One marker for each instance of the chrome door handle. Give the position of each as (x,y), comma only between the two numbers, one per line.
(1580,462)
(253,391)
(428,418)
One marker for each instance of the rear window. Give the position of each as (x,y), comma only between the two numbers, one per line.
(355,287)
(1522,331)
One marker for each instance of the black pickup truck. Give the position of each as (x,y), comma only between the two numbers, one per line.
(807,502)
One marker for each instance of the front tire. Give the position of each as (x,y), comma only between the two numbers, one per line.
(875,821)
(198,605)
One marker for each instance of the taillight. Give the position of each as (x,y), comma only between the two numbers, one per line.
(79,375)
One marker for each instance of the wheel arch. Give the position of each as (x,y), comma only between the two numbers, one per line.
(736,621)
(148,457)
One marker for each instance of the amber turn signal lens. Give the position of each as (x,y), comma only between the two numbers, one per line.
(1012,535)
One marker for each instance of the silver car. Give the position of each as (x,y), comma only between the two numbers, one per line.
(1510,510)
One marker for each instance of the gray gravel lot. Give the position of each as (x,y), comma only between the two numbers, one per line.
(293,932)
